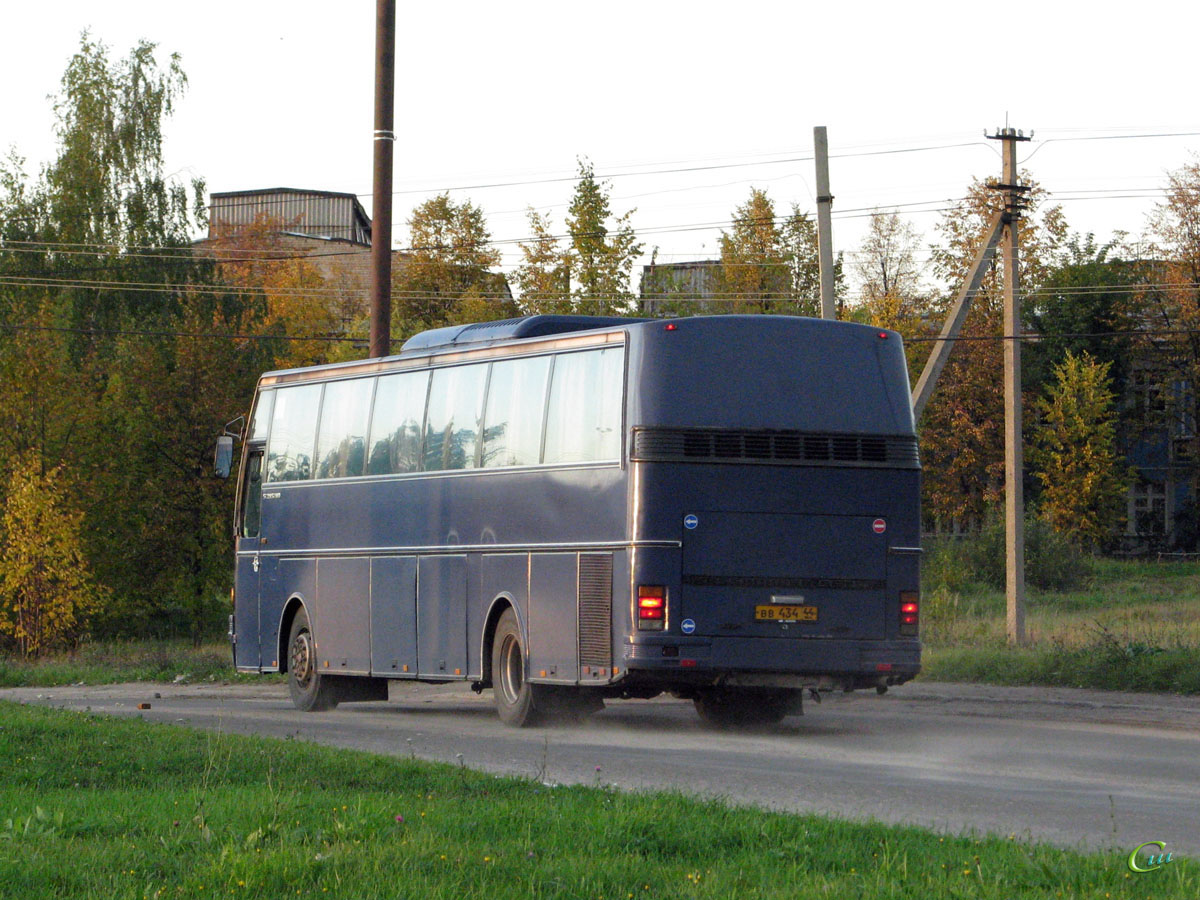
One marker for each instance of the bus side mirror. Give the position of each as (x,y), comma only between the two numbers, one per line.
(223,460)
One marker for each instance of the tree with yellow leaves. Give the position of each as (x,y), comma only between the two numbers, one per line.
(1083,477)
(46,591)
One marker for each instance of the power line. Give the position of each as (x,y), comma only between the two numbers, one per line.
(1028,336)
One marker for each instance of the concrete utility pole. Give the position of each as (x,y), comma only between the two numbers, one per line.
(824,222)
(1001,232)
(1014,457)
(381,184)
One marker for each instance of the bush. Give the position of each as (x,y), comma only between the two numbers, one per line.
(1052,563)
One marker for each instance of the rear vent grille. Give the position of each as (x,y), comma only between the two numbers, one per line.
(799,448)
(595,609)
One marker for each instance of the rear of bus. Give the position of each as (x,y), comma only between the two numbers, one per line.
(775,496)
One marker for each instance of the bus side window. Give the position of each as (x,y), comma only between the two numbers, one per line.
(293,433)
(262,416)
(512,425)
(341,444)
(396,424)
(252,496)
(583,421)
(452,423)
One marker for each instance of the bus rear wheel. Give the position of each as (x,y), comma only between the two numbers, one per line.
(310,691)
(517,701)
(746,707)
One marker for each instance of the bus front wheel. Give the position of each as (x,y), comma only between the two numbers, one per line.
(310,691)
(516,698)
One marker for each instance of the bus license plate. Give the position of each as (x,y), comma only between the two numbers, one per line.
(779,613)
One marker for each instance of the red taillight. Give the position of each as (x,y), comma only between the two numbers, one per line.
(671,326)
(651,607)
(910,613)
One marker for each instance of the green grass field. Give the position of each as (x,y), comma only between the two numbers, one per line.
(1132,626)
(105,808)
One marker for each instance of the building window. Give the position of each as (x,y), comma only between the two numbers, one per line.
(1148,509)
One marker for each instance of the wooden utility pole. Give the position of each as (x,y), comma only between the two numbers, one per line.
(1014,457)
(381,184)
(824,222)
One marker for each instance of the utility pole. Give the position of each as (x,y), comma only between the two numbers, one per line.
(1001,232)
(1014,457)
(381,184)
(824,222)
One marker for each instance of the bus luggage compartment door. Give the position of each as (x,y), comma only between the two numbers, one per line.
(775,575)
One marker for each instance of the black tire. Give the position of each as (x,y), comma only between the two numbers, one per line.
(516,699)
(311,691)
(745,707)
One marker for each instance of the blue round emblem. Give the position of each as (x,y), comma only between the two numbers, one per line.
(690,522)
(687,626)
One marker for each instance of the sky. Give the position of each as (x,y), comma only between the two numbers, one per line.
(685,106)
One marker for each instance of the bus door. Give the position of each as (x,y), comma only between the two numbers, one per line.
(246,628)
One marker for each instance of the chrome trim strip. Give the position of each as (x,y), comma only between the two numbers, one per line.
(905,550)
(462,548)
(443,473)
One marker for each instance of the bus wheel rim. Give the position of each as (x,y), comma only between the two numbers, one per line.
(302,659)
(511,675)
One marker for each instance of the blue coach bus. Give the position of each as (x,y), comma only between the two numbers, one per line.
(567,509)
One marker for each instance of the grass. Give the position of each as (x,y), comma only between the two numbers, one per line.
(97,807)
(120,661)
(1132,626)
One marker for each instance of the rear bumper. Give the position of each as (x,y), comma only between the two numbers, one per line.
(780,661)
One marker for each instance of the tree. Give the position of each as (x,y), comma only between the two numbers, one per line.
(1082,475)
(161,538)
(284,293)
(601,255)
(590,274)
(1082,306)
(885,266)
(1169,301)
(106,189)
(126,419)
(962,429)
(769,266)
(446,278)
(46,590)
(544,275)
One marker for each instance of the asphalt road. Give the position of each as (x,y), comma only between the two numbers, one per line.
(1077,768)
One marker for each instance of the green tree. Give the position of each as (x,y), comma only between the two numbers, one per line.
(46,591)
(544,275)
(603,248)
(1082,306)
(590,273)
(771,266)
(107,191)
(1083,478)
(446,277)
(95,407)
(161,537)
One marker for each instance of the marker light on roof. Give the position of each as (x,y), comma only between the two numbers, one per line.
(671,326)
(883,335)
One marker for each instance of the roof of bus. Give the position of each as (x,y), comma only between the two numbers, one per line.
(460,340)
